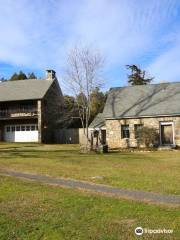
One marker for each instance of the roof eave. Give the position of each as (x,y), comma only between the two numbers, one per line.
(143,116)
(18,100)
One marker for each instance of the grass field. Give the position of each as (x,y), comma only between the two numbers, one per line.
(31,211)
(149,171)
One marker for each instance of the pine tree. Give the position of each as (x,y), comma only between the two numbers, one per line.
(22,76)
(31,76)
(3,79)
(98,99)
(14,77)
(137,76)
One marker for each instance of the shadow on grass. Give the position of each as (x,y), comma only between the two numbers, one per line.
(37,154)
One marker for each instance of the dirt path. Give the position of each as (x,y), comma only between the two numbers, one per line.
(142,196)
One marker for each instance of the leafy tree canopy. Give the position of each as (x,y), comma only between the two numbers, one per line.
(137,76)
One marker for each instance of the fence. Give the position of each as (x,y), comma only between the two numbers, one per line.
(70,136)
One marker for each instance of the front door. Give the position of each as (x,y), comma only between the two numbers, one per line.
(167,134)
(103,136)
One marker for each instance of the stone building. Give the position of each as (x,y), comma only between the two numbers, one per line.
(29,109)
(128,109)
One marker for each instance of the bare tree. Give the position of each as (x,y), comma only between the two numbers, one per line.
(83,74)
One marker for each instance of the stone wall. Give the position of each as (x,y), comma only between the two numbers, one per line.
(51,107)
(113,130)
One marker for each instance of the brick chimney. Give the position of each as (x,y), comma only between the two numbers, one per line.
(50,74)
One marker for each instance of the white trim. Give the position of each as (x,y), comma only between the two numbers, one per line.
(160,133)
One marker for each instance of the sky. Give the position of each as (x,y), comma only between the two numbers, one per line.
(36,35)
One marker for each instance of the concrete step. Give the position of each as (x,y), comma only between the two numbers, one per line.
(168,147)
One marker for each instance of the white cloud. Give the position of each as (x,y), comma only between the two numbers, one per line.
(38,33)
(166,67)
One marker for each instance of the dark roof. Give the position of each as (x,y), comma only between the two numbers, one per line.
(98,121)
(144,100)
(24,89)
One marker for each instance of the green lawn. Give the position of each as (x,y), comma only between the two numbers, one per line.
(149,171)
(31,211)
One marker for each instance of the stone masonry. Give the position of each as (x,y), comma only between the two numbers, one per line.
(113,130)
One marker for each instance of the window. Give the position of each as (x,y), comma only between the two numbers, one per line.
(36,127)
(8,129)
(137,127)
(22,128)
(33,128)
(27,128)
(124,131)
(17,128)
(13,128)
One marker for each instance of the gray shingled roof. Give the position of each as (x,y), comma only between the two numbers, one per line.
(98,121)
(145,100)
(24,89)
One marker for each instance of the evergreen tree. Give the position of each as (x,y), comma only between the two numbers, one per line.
(22,76)
(98,100)
(14,77)
(70,116)
(69,103)
(137,76)
(31,76)
(3,79)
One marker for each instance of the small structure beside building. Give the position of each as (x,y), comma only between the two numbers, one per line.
(98,131)
(29,109)
(128,109)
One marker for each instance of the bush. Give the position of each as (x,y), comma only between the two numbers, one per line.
(148,137)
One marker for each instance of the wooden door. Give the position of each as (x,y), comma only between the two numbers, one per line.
(167,134)
(103,136)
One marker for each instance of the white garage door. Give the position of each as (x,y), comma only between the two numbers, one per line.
(21,133)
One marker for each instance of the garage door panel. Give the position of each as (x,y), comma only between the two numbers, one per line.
(21,133)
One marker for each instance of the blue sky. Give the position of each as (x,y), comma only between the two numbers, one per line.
(36,35)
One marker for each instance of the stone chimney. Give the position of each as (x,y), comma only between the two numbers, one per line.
(50,74)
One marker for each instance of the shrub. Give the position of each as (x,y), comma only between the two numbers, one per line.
(148,136)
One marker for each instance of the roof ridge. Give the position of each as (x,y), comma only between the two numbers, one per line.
(18,80)
(144,85)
